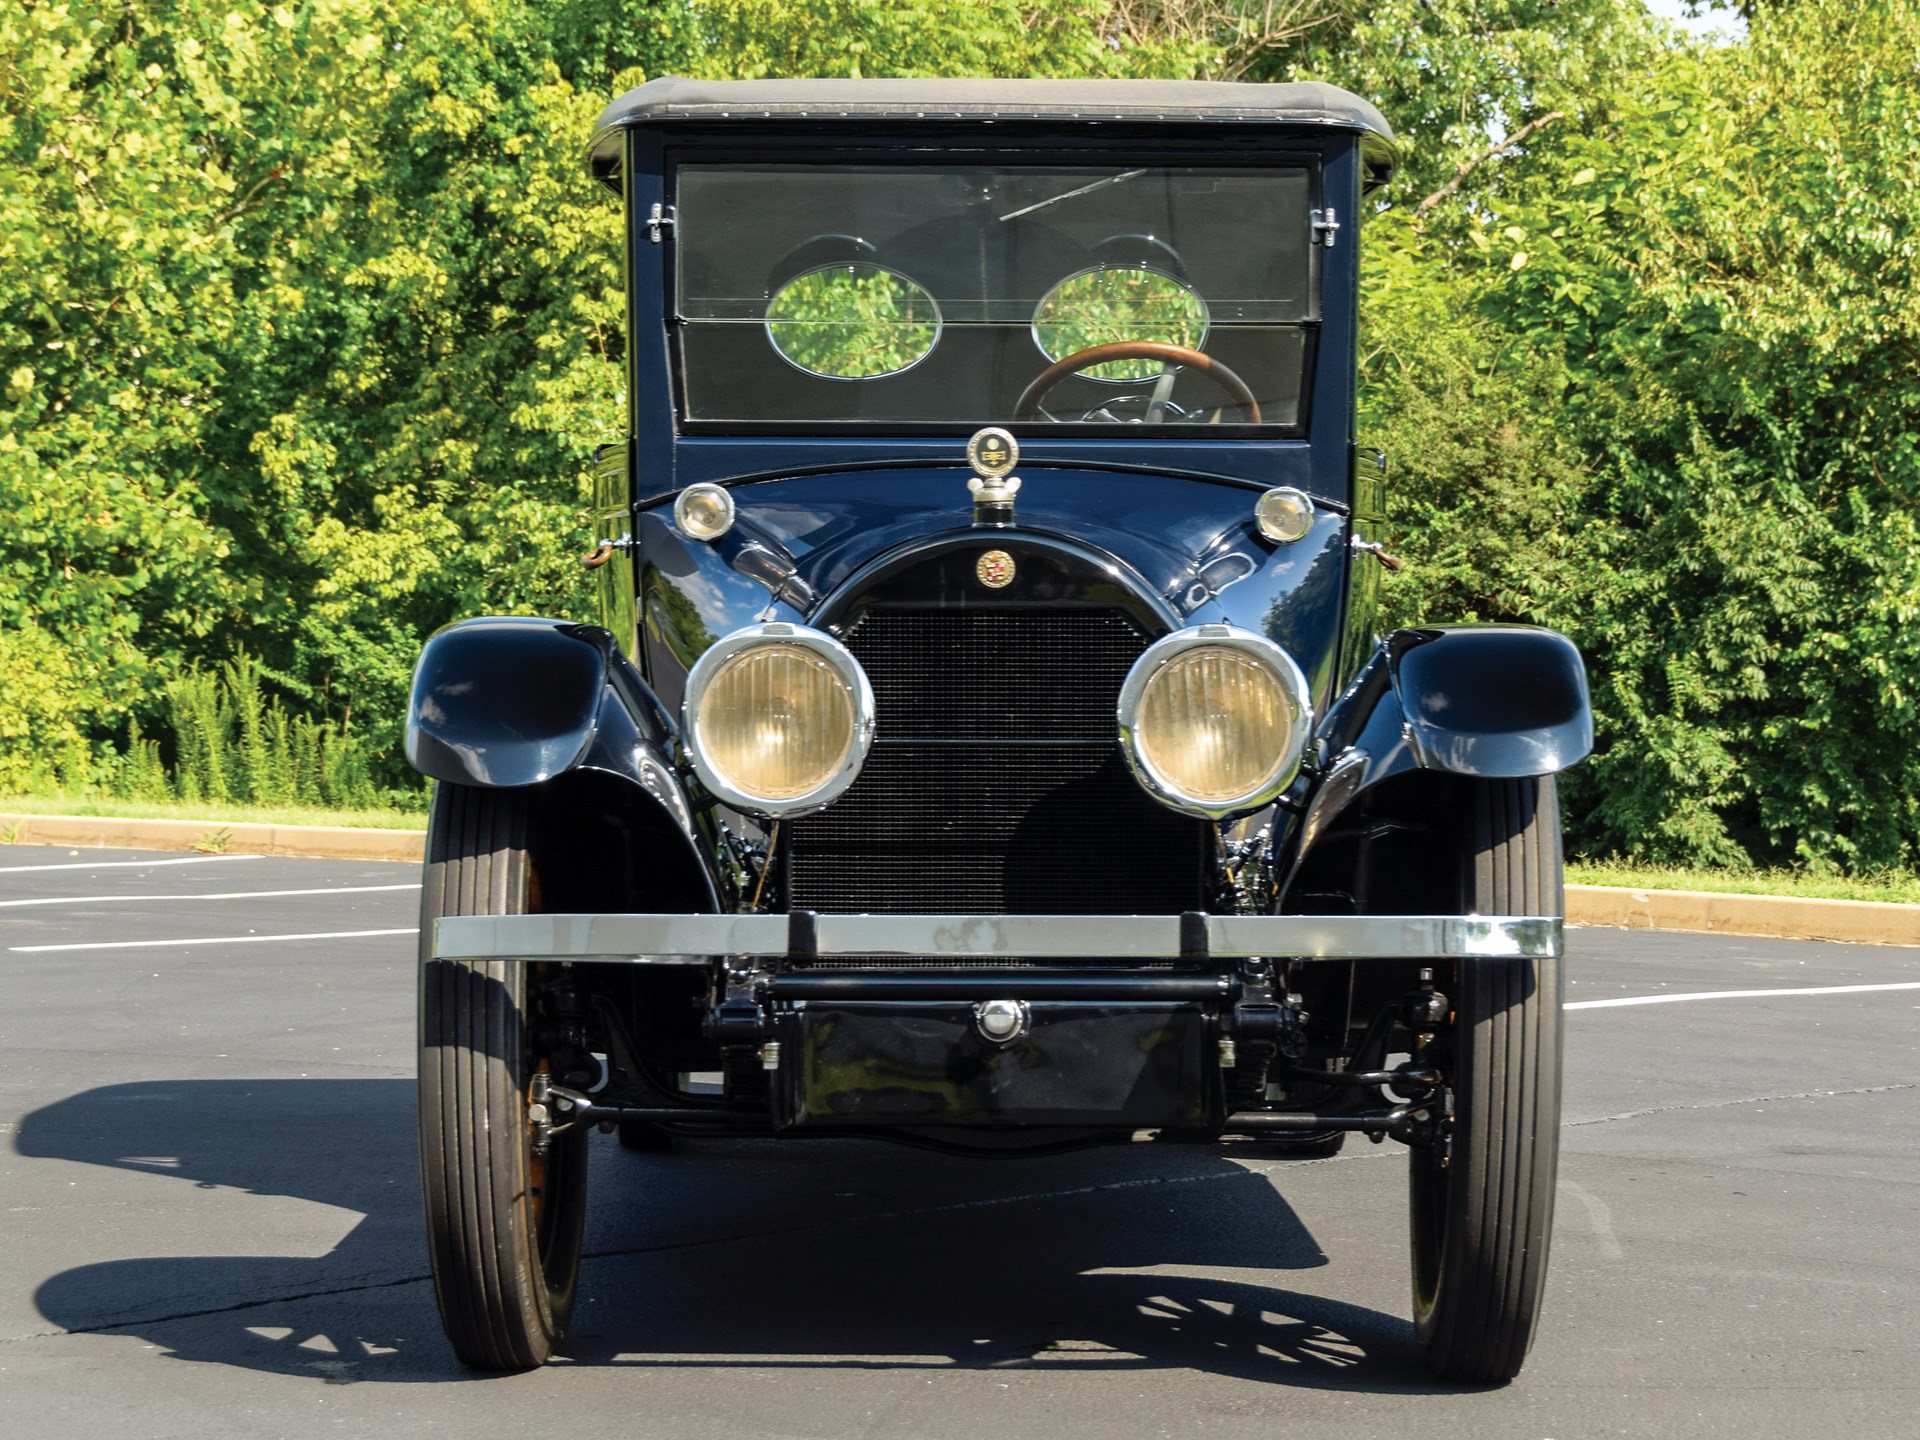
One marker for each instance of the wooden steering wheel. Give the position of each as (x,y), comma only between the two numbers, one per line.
(1028,406)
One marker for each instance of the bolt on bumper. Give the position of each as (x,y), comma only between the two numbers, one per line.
(806,936)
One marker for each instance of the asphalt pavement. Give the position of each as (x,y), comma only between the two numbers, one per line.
(212,1222)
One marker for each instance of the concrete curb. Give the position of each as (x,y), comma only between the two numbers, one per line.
(328,842)
(1860,922)
(1865,922)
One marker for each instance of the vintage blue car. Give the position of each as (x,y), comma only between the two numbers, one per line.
(985,741)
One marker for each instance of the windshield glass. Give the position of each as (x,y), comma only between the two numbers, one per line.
(936,294)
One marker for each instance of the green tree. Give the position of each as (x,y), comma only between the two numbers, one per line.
(1718,281)
(309,321)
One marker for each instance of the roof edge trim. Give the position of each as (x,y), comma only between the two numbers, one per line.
(672,100)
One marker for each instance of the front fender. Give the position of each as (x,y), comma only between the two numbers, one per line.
(1496,701)
(1490,701)
(508,701)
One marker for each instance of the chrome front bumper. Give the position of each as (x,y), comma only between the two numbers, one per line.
(696,939)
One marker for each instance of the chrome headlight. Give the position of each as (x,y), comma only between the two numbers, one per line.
(1284,515)
(1214,720)
(779,719)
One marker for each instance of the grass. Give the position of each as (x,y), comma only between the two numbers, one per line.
(221,814)
(1898,888)
(224,740)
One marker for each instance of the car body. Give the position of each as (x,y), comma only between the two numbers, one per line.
(985,741)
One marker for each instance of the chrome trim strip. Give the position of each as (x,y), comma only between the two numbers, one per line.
(1385,937)
(634,939)
(682,939)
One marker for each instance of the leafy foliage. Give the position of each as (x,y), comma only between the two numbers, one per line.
(234,742)
(763,39)
(852,321)
(309,322)
(285,301)
(1101,307)
(1720,280)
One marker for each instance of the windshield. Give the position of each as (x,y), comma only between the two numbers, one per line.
(933,294)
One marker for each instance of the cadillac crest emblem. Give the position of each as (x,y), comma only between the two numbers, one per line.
(995,569)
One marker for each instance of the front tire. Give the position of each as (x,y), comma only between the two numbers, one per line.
(1482,1203)
(504,1225)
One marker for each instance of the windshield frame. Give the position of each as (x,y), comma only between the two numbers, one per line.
(1267,151)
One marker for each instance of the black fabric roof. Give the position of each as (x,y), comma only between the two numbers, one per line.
(671,100)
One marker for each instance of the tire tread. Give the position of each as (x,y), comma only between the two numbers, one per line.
(500,1310)
(1479,1321)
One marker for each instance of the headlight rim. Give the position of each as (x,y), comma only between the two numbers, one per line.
(837,657)
(1155,658)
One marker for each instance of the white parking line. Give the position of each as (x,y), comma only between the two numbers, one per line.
(124,864)
(209,940)
(218,895)
(1738,995)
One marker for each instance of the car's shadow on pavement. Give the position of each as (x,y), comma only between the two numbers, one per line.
(831,1254)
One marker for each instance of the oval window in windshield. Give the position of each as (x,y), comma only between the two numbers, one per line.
(1114,303)
(853,322)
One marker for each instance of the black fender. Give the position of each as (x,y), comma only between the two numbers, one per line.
(512,701)
(1497,701)
(1492,701)
(1432,709)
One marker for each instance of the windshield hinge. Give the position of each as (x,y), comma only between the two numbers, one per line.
(1326,224)
(659,220)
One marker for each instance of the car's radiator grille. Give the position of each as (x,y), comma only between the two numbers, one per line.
(996,786)
(996,674)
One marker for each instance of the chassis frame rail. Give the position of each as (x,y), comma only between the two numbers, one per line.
(556,1109)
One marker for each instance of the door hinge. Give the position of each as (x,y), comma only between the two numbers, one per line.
(659,220)
(1326,224)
